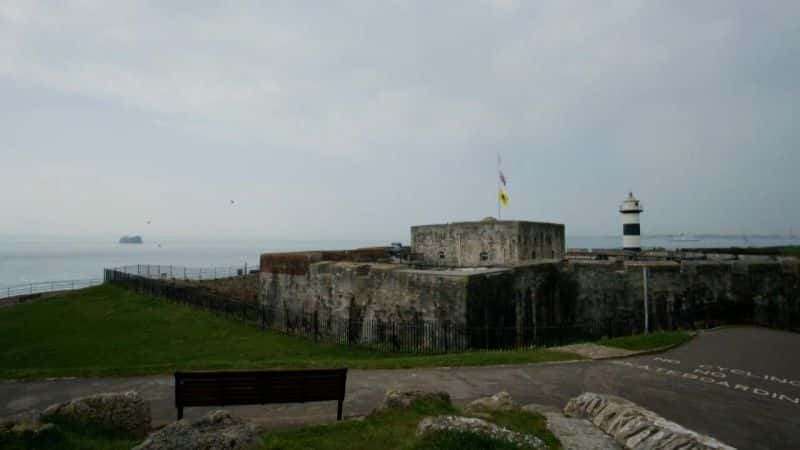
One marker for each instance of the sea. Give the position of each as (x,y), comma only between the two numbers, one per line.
(29,259)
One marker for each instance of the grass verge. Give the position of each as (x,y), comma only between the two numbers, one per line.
(68,437)
(396,429)
(652,341)
(109,331)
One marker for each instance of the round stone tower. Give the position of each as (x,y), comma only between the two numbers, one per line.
(630,210)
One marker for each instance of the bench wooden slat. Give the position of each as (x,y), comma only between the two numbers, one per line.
(259,387)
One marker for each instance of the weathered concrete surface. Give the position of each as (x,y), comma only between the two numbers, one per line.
(364,291)
(478,426)
(535,293)
(117,411)
(216,430)
(578,434)
(745,419)
(487,242)
(767,292)
(574,434)
(636,428)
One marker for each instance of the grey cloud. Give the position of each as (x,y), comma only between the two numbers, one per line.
(377,115)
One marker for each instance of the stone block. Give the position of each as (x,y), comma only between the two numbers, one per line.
(216,430)
(395,399)
(430,425)
(637,428)
(116,411)
(501,401)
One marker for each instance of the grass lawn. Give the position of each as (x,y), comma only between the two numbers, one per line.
(648,341)
(69,437)
(109,331)
(397,430)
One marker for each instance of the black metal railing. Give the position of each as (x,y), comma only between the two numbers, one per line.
(170,272)
(44,287)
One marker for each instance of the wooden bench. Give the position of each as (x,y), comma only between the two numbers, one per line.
(259,387)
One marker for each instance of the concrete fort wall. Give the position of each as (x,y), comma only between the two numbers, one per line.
(486,243)
(678,293)
(611,294)
(535,294)
(293,285)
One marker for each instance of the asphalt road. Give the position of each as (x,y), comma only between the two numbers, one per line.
(739,385)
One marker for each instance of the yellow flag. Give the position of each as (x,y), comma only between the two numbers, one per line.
(503,198)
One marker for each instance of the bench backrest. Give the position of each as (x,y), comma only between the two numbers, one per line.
(258,387)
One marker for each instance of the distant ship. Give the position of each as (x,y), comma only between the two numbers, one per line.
(130,240)
(685,238)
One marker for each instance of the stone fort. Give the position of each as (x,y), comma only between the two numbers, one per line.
(496,273)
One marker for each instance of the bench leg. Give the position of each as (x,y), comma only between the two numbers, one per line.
(339,412)
(180,412)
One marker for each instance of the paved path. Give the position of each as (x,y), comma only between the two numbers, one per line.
(740,385)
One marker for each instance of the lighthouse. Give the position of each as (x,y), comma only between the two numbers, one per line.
(631,235)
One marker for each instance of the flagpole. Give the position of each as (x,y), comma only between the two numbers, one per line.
(497,193)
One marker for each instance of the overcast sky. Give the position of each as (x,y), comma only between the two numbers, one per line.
(358,119)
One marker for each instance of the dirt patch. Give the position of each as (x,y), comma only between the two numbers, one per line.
(595,351)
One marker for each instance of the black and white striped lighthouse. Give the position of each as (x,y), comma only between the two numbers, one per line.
(631,234)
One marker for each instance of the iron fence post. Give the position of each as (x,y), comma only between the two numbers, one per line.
(446,335)
(316,326)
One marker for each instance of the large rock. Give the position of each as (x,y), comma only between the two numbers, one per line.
(634,427)
(478,426)
(117,411)
(216,430)
(395,399)
(501,401)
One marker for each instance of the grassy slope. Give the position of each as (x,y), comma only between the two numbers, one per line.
(397,430)
(69,437)
(107,330)
(648,341)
